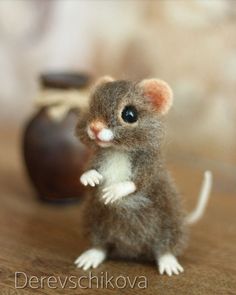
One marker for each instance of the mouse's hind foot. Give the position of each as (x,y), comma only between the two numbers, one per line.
(91,258)
(169,264)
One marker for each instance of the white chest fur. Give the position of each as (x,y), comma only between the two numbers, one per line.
(116,167)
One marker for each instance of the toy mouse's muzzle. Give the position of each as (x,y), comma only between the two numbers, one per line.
(98,131)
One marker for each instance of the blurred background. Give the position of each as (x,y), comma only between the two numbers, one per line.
(191,44)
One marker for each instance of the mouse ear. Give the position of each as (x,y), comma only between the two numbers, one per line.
(103,80)
(159,93)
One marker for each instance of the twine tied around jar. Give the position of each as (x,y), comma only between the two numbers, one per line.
(58,102)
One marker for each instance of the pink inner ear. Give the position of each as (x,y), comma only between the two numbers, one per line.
(159,93)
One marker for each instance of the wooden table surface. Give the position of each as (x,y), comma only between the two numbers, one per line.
(42,240)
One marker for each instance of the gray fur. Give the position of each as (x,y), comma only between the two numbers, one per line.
(149,222)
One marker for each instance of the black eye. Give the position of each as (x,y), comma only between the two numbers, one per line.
(129,114)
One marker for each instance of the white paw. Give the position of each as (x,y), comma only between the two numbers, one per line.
(91,177)
(169,264)
(90,258)
(118,191)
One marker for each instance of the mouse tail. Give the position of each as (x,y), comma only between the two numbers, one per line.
(203,198)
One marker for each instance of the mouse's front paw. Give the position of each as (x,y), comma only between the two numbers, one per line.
(118,191)
(91,177)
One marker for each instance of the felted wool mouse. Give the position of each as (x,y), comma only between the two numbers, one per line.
(133,210)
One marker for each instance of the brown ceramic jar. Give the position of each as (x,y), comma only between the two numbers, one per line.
(53,156)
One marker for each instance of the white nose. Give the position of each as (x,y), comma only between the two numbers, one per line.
(105,134)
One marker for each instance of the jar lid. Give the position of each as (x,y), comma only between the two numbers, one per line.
(64,80)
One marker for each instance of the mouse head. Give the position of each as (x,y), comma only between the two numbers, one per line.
(125,114)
